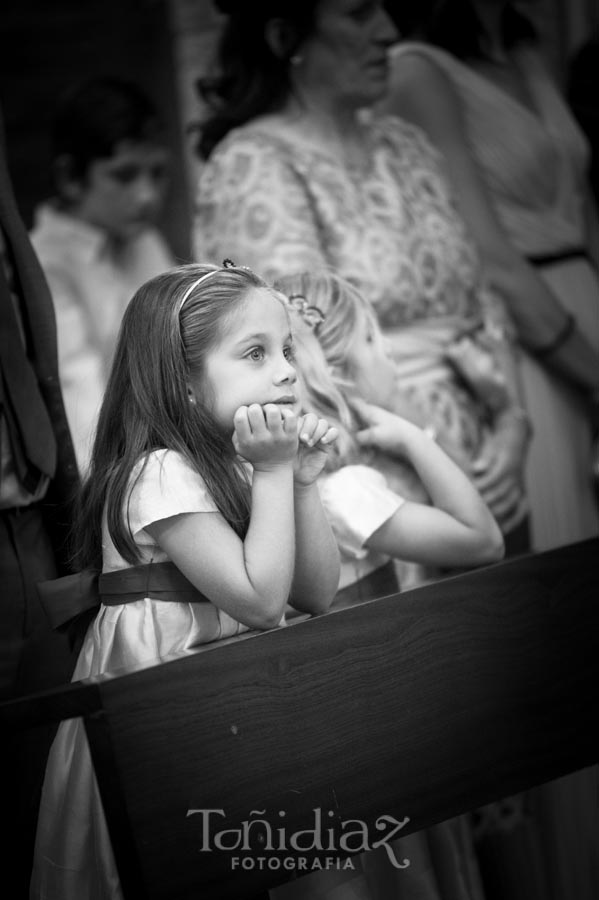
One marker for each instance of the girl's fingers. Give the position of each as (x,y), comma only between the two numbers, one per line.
(290,421)
(273,415)
(365,436)
(313,430)
(241,423)
(322,426)
(331,436)
(256,418)
(307,425)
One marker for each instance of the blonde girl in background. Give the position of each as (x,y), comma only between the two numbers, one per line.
(373,524)
(449,526)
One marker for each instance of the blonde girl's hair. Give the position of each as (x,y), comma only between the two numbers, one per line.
(170,325)
(322,394)
(343,309)
(333,310)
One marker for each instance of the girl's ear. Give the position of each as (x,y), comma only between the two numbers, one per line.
(70,188)
(281,38)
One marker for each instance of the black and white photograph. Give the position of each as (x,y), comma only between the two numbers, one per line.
(299,449)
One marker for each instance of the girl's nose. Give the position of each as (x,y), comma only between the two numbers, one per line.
(287,373)
(147,194)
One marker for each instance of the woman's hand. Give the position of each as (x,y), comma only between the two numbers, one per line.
(267,436)
(315,437)
(497,473)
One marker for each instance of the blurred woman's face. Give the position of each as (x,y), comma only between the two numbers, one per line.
(346,56)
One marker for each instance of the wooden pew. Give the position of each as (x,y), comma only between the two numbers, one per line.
(421,705)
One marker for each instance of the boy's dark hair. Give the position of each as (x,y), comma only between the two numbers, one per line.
(96,115)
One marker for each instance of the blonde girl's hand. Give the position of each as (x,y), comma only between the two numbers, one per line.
(384,430)
(315,437)
(266,436)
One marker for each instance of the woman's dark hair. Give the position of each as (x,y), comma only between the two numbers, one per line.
(170,325)
(91,118)
(249,78)
(455,26)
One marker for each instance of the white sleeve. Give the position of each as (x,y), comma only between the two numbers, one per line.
(357,502)
(80,362)
(168,486)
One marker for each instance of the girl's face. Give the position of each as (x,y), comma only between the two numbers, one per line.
(253,360)
(369,364)
(347,54)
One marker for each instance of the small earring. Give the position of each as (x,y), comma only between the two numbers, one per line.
(296,60)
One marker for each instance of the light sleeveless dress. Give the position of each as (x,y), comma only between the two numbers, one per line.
(534,165)
(73,857)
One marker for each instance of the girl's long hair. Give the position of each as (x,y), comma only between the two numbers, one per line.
(343,307)
(162,344)
(323,395)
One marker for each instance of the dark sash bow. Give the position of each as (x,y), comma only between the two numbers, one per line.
(65,599)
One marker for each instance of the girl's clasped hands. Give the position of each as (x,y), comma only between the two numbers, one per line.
(272,435)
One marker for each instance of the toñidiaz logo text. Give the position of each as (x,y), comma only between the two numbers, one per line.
(256,836)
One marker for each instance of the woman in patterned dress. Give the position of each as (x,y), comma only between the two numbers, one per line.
(298,175)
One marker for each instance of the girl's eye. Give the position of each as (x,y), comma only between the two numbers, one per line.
(256,354)
(289,352)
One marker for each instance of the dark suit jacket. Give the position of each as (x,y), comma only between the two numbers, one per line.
(38,315)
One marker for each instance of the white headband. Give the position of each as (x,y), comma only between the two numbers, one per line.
(193,286)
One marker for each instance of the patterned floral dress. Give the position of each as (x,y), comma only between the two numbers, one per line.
(270,199)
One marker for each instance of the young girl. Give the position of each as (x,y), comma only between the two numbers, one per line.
(196,463)
(341,354)
(479,378)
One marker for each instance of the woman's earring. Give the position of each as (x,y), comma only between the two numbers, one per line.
(191,397)
(296,60)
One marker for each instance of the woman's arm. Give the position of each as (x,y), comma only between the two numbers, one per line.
(457,529)
(421,94)
(249,579)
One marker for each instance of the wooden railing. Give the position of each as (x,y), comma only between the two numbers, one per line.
(422,705)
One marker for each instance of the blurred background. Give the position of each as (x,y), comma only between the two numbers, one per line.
(163,45)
